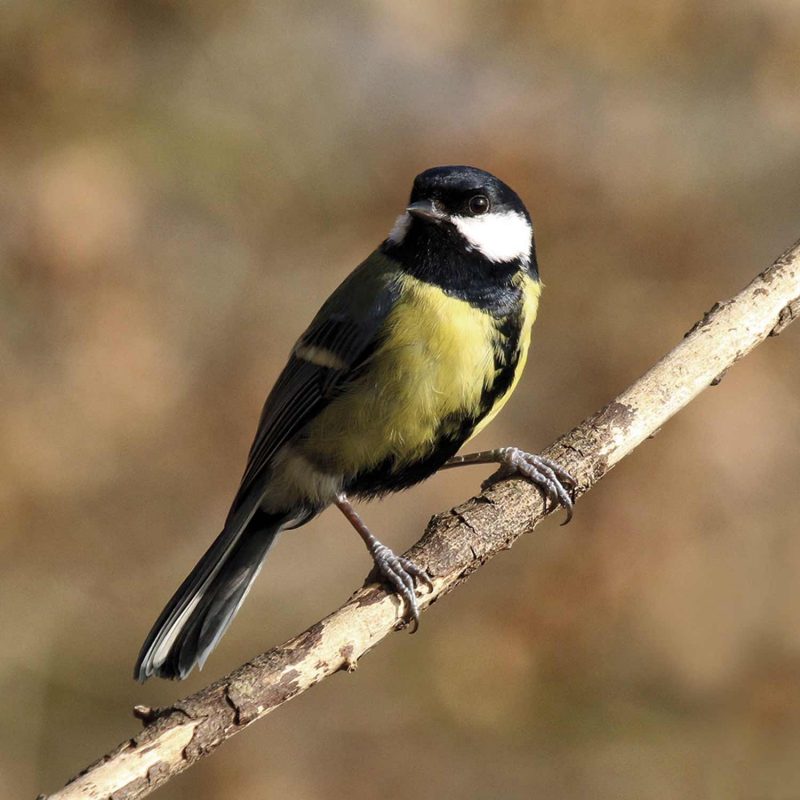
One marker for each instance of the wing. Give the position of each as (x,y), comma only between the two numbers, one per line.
(338,343)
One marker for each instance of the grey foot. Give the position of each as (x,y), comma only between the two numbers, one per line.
(555,483)
(402,575)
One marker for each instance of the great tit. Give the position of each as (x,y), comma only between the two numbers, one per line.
(415,352)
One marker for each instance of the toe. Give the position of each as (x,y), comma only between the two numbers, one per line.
(549,477)
(401,573)
(418,573)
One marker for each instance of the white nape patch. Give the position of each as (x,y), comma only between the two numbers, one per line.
(501,236)
(400,229)
(318,356)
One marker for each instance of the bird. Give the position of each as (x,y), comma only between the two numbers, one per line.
(412,355)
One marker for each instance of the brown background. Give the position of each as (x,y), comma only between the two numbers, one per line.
(182,184)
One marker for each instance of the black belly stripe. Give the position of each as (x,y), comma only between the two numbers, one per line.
(388,477)
(506,360)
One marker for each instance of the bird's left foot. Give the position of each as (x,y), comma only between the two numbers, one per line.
(555,483)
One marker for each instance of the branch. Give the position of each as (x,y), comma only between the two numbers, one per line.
(455,544)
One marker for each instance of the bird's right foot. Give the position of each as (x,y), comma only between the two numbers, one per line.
(403,575)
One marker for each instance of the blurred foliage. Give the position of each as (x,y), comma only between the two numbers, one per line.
(182,185)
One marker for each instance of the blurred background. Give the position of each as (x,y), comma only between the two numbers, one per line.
(181,186)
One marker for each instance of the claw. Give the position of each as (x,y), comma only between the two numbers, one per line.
(545,474)
(554,482)
(402,574)
(418,573)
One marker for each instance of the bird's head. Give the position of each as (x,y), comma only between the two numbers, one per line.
(467,210)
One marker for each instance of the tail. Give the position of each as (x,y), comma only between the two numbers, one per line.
(194,620)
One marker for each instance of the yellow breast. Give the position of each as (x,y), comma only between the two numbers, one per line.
(437,357)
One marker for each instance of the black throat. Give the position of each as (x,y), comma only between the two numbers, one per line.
(439,255)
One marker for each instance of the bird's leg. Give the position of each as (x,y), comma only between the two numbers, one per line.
(555,483)
(401,573)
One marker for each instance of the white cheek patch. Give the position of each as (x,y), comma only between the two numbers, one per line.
(400,229)
(502,236)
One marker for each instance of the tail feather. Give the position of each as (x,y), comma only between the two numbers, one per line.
(199,613)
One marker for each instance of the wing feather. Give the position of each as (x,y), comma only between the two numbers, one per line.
(348,327)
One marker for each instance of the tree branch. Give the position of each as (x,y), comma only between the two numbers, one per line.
(454,545)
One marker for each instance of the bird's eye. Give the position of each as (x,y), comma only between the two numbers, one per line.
(478,204)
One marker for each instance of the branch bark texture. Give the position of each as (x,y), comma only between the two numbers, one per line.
(454,545)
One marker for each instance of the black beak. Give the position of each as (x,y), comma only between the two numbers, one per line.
(426,210)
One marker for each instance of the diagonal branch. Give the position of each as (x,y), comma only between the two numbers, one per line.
(454,545)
